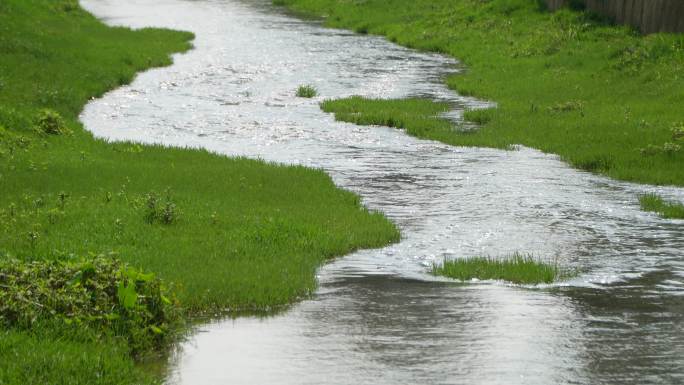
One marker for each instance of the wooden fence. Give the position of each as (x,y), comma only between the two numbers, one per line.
(649,16)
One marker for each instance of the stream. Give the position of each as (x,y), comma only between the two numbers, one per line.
(378,317)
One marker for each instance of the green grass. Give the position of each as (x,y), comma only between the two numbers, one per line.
(419,117)
(225,234)
(604,98)
(306,91)
(665,209)
(49,357)
(516,269)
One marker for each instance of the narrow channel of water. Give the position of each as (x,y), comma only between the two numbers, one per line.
(378,317)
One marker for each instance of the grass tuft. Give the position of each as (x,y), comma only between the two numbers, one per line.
(516,269)
(306,91)
(655,203)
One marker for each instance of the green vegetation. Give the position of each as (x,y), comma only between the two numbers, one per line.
(419,117)
(517,269)
(100,293)
(603,97)
(306,91)
(228,233)
(656,204)
(64,356)
(224,234)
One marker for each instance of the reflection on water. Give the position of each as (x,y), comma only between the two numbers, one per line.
(378,317)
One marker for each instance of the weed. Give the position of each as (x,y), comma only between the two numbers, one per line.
(650,150)
(62,198)
(151,208)
(39,202)
(573,105)
(156,210)
(677,132)
(33,237)
(51,122)
(54,215)
(100,293)
(306,91)
(668,148)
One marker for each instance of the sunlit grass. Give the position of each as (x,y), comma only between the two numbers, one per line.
(306,91)
(419,117)
(665,209)
(602,97)
(516,269)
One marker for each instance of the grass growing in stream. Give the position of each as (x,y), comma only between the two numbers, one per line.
(222,233)
(656,204)
(603,97)
(517,269)
(418,116)
(306,91)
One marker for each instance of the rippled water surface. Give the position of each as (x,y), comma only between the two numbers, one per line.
(378,317)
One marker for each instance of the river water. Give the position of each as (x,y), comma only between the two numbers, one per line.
(378,317)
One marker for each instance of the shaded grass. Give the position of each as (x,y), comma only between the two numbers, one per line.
(565,83)
(517,269)
(665,209)
(223,233)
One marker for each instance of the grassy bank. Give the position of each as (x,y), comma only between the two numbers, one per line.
(222,233)
(517,269)
(604,98)
(51,357)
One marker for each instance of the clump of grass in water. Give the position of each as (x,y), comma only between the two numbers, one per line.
(516,268)
(654,203)
(419,117)
(306,91)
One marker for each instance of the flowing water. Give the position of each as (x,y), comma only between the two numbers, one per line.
(378,317)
